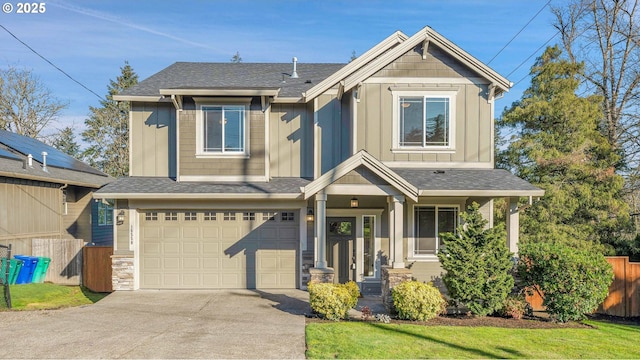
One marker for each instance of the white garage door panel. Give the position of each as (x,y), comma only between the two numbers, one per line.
(216,251)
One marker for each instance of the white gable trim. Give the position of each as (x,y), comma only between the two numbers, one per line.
(361,158)
(383,46)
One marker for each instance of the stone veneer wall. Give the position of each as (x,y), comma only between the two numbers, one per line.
(390,279)
(122,275)
(325,275)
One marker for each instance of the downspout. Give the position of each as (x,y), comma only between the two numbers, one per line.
(64,204)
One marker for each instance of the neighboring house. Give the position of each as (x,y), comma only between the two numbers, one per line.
(249,175)
(48,196)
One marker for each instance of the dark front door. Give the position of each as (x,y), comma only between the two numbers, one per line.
(341,247)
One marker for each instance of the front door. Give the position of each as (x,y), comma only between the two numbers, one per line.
(341,247)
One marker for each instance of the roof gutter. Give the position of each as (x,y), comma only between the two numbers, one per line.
(193,196)
(46,179)
(221,92)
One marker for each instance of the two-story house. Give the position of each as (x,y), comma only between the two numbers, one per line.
(247,175)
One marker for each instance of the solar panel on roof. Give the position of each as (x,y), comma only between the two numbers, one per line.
(8,154)
(56,158)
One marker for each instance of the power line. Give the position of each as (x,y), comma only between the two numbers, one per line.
(533,53)
(516,35)
(52,64)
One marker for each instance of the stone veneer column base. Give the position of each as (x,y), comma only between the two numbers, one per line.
(122,272)
(390,279)
(321,275)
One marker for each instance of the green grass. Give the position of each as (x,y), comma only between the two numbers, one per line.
(358,340)
(50,296)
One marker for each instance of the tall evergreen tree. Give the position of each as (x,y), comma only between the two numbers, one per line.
(477,264)
(558,146)
(108,128)
(65,141)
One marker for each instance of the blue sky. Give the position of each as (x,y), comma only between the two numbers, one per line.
(90,40)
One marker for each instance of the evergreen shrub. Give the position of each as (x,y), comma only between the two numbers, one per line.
(415,300)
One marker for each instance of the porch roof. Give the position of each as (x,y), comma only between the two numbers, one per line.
(468,182)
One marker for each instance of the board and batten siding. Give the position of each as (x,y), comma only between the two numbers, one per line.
(254,165)
(291,140)
(122,231)
(153,139)
(38,214)
(473,123)
(77,221)
(334,133)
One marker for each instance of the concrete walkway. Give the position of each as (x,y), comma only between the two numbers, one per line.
(164,324)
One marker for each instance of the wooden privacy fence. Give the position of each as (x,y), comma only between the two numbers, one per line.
(66,259)
(97,268)
(624,292)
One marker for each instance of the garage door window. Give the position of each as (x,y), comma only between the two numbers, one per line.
(171,216)
(249,216)
(209,216)
(287,216)
(190,216)
(229,216)
(151,216)
(269,216)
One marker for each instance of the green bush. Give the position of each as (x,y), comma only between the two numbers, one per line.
(415,300)
(573,280)
(354,292)
(477,264)
(513,307)
(333,301)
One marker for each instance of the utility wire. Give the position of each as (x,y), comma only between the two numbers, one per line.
(518,33)
(52,64)
(533,53)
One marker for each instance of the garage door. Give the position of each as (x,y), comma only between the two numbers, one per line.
(218,249)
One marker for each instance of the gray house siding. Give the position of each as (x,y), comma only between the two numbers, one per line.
(152,139)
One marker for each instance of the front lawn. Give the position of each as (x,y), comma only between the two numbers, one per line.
(49,296)
(377,340)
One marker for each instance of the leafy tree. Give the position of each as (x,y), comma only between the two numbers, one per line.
(236,58)
(477,264)
(108,128)
(27,107)
(572,280)
(558,146)
(65,141)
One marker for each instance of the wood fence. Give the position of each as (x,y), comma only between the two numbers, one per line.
(66,259)
(97,268)
(624,292)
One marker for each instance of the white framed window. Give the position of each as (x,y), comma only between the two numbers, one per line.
(229,216)
(190,216)
(209,216)
(151,216)
(429,221)
(248,216)
(369,248)
(105,214)
(424,121)
(222,129)
(171,216)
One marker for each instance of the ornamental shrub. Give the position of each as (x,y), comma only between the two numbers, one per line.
(333,301)
(573,279)
(477,263)
(415,300)
(514,307)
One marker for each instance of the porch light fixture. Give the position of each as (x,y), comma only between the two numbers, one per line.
(120,217)
(354,202)
(310,215)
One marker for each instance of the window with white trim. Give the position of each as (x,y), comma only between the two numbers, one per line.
(429,223)
(424,120)
(222,129)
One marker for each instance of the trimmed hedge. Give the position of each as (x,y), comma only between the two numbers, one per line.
(415,300)
(333,301)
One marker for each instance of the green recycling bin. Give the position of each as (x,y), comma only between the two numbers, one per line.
(14,269)
(40,271)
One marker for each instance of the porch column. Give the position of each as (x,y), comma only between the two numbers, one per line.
(396,233)
(321,231)
(513,225)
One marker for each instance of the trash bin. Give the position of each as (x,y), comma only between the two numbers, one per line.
(29,265)
(14,268)
(40,271)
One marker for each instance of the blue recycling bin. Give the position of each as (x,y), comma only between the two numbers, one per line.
(29,264)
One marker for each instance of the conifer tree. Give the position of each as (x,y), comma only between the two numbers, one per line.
(65,141)
(477,264)
(108,128)
(557,145)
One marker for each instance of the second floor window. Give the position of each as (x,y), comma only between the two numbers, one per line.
(425,122)
(223,129)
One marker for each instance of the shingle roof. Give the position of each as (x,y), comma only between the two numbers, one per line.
(61,169)
(191,75)
(166,186)
(465,180)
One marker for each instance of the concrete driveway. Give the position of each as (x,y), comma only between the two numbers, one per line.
(164,324)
